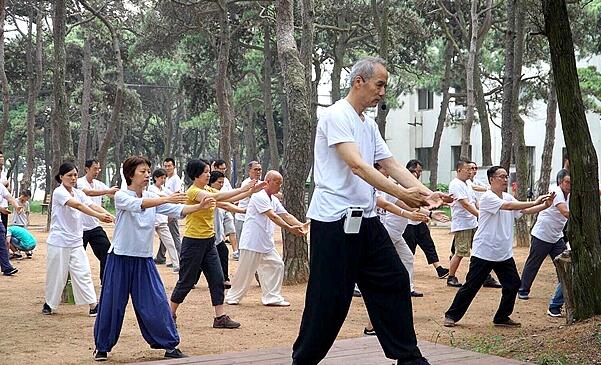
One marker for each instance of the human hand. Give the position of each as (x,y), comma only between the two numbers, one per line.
(176,198)
(437,198)
(208,202)
(297,230)
(19,209)
(542,198)
(418,217)
(4,210)
(258,187)
(249,185)
(439,216)
(113,190)
(413,197)
(549,201)
(106,218)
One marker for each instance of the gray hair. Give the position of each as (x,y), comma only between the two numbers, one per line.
(561,175)
(365,68)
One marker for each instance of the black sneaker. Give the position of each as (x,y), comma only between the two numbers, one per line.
(10,272)
(554,312)
(371,332)
(416,294)
(29,254)
(225,322)
(93,311)
(46,310)
(420,361)
(490,282)
(442,272)
(452,281)
(100,355)
(174,354)
(508,323)
(158,262)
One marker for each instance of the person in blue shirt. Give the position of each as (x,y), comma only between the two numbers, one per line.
(20,239)
(130,269)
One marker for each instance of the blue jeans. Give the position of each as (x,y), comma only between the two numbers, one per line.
(557,298)
(4,260)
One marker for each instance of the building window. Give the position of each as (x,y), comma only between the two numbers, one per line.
(423,155)
(425,99)
(456,155)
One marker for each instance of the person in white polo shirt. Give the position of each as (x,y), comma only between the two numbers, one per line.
(93,233)
(174,184)
(257,247)
(66,254)
(547,233)
(492,249)
(254,170)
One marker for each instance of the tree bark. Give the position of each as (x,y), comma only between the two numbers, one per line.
(565,272)
(585,217)
(340,46)
(249,134)
(545,166)
(274,155)
(86,96)
(3,79)
(483,118)
(34,68)
(471,99)
(442,116)
(381,23)
(297,161)
(506,108)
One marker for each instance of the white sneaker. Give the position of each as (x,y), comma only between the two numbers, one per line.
(283,303)
(231,302)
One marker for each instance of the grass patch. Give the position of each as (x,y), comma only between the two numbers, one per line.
(552,359)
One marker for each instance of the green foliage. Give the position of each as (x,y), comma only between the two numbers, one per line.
(590,85)
(442,187)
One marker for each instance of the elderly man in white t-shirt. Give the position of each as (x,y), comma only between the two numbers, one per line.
(174,184)
(547,233)
(492,249)
(254,170)
(257,247)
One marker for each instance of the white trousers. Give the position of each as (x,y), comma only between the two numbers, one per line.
(406,257)
(270,268)
(61,261)
(165,235)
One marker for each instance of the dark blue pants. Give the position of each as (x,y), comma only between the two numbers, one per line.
(4,260)
(138,276)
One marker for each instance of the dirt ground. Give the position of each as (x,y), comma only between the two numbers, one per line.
(66,337)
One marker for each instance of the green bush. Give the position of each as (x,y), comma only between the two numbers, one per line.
(442,187)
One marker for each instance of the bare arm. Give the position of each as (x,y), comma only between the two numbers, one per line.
(207,203)
(295,230)
(545,200)
(93,192)
(105,217)
(469,207)
(563,209)
(290,219)
(177,198)
(232,195)
(98,208)
(231,207)
(479,188)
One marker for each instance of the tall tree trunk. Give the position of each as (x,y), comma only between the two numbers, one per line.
(381,22)
(168,138)
(585,217)
(285,116)
(523,171)
(119,88)
(506,108)
(442,115)
(482,117)
(34,67)
(249,134)
(3,79)
(340,46)
(226,117)
(274,155)
(471,99)
(297,160)
(86,96)
(542,186)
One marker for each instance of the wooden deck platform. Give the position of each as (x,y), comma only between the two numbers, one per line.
(357,351)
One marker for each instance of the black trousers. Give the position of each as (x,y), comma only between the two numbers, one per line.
(419,235)
(100,243)
(224,255)
(478,272)
(4,218)
(199,255)
(539,250)
(337,262)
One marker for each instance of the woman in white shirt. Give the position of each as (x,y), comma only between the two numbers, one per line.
(66,254)
(130,269)
(161,225)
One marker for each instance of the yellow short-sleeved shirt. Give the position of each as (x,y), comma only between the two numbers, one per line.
(199,224)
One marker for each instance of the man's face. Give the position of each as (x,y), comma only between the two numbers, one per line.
(169,167)
(473,170)
(274,184)
(464,172)
(218,184)
(222,168)
(93,171)
(160,181)
(417,171)
(566,185)
(499,180)
(255,171)
(373,89)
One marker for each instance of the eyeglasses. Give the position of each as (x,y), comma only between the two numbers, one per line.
(502,177)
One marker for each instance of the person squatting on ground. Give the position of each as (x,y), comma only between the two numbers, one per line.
(417,233)
(130,270)
(547,238)
(257,246)
(93,233)
(161,225)
(7,268)
(224,225)
(254,170)
(66,254)
(174,184)
(347,143)
(198,246)
(20,240)
(492,249)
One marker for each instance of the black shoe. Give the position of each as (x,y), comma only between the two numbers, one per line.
(46,310)
(442,272)
(29,254)
(93,311)
(174,354)
(169,265)
(10,272)
(158,262)
(554,312)
(452,281)
(100,355)
(508,323)
(227,285)
(490,282)
(371,332)
(420,361)
(416,294)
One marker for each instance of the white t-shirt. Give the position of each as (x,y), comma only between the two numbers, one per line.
(3,181)
(257,232)
(550,222)
(227,186)
(380,211)
(336,187)
(87,221)
(395,225)
(493,240)
(174,183)
(163,191)
(3,194)
(66,228)
(462,219)
(243,203)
